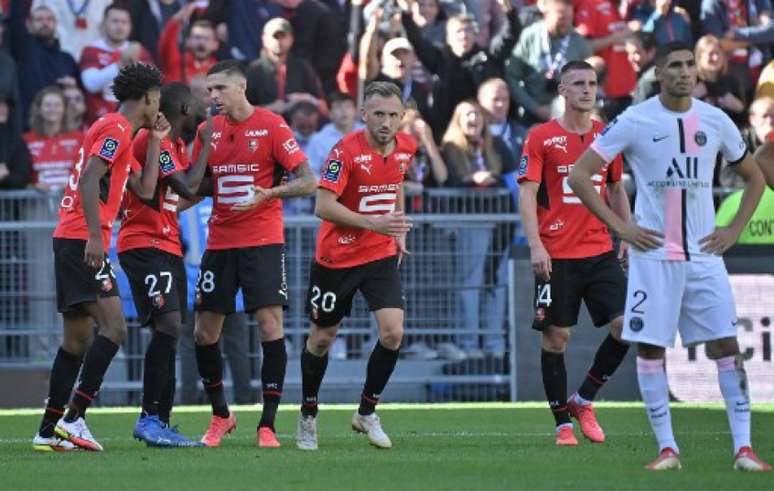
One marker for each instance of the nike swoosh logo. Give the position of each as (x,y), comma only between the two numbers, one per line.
(658,139)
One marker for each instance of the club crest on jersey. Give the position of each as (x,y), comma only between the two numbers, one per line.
(333,171)
(540,314)
(109,147)
(700,138)
(252,145)
(166,164)
(636,324)
(523,165)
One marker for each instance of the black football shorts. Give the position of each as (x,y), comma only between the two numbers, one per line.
(77,283)
(158,282)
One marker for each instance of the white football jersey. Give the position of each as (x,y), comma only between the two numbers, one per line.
(672,156)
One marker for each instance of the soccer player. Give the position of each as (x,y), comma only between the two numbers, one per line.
(150,252)
(571,251)
(85,284)
(359,247)
(677,278)
(252,149)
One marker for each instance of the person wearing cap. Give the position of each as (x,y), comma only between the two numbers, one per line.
(398,59)
(277,80)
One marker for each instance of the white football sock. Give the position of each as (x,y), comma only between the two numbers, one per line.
(655,394)
(733,385)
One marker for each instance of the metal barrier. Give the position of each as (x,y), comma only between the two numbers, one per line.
(456,279)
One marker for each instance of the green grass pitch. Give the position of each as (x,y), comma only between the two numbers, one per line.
(446,446)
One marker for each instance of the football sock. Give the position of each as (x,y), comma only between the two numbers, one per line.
(381,363)
(655,394)
(609,355)
(312,373)
(64,372)
(95,365)
(275,361)
(210,363)
(168,394)
(156,376)
(555,384)
(733,385)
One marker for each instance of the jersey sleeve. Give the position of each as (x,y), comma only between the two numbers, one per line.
(286,150)
(109,144)
(335,170)
(615,138)
(169,162)
(733,146)
(531,163)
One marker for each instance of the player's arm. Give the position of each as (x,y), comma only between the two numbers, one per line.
(539,258)
(765,158)
(183,204)
(400,241)
(187,183)
(88,189)
(724,237)
(619,203)
(328,207)
(589,164)
(143,183)
(302,184)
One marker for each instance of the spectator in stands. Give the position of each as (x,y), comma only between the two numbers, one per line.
(495,99)
(14,157)
(199,47)
(317,37)
(532,71)
(765,86)
(428,170)
(488,14)
(278,79)
(641,50)
(53,146)
(78,23)
(761,119)
(745,28)
(246,20)
(343,115)
(669,23)
(431,20)
(103,58)
(9,81)
(460,66)
(715,86)
(600,22)
(397,61)
(475,159)
(76,108)
(34,45)
(149,18)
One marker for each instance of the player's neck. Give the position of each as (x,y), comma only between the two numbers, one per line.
(575,121)
(675,104)
(241,112)
(383,150)
(132,114)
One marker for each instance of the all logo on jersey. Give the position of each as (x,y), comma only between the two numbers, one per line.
(166,163)
(333,171)
(700,138)
(688,171)
(523,165)
(109,147)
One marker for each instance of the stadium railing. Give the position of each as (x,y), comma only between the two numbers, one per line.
(456,282)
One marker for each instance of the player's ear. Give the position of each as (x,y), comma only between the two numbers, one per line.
(185,109)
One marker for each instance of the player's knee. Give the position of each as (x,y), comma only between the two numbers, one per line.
(167,325)
(321,340)
(616,328)
(269,324)
(555,339)
(205,337)
(391,336)
(75,343)
(721,348)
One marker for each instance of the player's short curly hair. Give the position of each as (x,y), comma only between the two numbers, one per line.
(135,80)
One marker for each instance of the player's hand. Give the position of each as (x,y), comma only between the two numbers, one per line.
(161,127)
(205,134)
(259,195)
(623,254)
(94,253)
(392,224)
(541,262)
(405,5)
(719,241)
(400,241)
(641,238)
